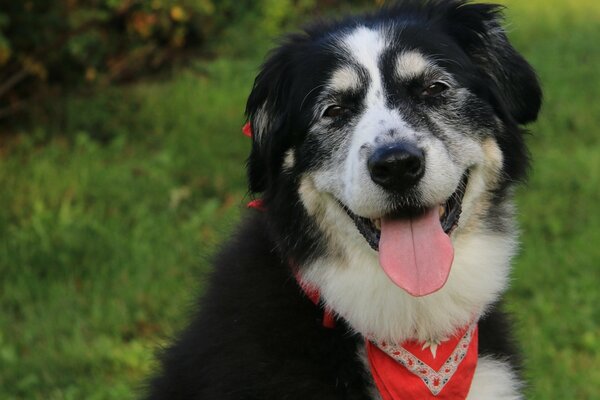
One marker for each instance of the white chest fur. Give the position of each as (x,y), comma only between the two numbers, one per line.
(494,380)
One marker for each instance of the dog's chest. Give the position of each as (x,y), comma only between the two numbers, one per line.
(373,304)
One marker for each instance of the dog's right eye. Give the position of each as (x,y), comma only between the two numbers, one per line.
(435,89)
(334,112)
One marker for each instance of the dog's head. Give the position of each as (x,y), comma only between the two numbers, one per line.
(394,133)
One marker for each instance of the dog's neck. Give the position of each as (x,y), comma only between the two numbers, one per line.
(413,369)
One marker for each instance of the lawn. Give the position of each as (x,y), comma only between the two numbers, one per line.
(108,219)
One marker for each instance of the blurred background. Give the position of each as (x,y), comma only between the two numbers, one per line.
(121,168)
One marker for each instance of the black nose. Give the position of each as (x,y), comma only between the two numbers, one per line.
(397,167)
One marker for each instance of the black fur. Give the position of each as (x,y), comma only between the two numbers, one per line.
(256,336)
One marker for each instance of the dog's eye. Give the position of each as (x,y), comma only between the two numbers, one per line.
(435,89)
(335,111)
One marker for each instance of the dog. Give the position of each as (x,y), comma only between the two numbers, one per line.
(385,151)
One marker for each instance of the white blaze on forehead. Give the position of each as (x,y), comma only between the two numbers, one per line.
(411,64)
(365,46)
(345,78)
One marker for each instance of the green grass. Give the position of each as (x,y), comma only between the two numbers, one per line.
(555,288)
(102,247)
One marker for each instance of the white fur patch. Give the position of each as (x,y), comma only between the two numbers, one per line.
(411,64)
(365,46)
(494,380)
(345,78)
(289,159)
(442,173)
(262,122)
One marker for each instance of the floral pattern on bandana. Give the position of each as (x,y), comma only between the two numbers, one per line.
(434,380)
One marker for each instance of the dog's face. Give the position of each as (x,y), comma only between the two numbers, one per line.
(393,133)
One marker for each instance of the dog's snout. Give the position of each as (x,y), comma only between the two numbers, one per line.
(398,166)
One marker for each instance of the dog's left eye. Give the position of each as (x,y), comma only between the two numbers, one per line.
(435,89)
(335,111)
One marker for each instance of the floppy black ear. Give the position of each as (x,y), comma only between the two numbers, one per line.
(478,29)
(268,111)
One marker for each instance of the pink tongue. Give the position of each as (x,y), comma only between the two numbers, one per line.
(416,254)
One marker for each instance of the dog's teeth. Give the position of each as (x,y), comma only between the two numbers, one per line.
(442,211)
(377,223)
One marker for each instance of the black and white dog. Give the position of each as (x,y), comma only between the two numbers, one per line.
(385,148)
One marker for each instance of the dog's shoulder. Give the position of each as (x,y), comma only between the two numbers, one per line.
(256,335)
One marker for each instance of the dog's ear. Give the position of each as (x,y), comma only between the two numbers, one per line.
(268,111)
(478,29)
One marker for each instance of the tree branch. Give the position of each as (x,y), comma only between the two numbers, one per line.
(14,80)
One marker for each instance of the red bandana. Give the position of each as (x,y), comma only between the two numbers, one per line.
(257,204)
(247,130)
(414,371)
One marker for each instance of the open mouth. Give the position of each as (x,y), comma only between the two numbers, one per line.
(449,214)
(414,246)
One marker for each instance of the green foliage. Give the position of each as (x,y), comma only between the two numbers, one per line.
(67,43)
